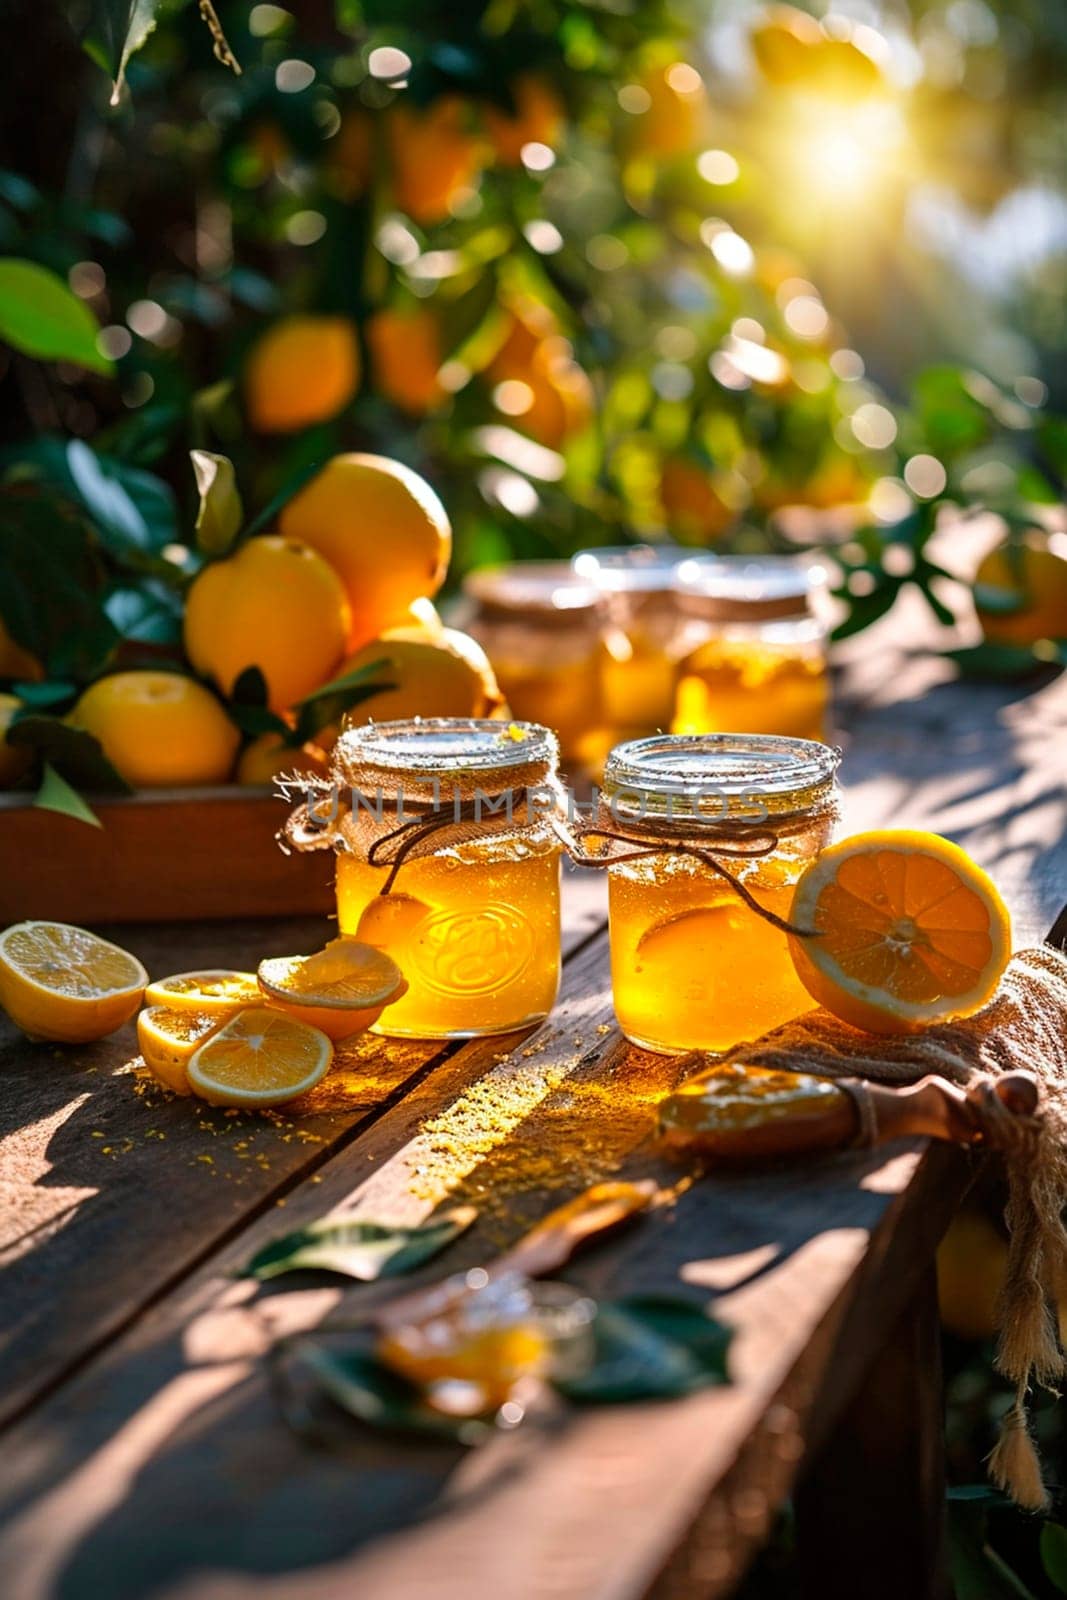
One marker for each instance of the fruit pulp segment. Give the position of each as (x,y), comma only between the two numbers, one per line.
(731,686)
(692,967)
(881,905)
(475,933)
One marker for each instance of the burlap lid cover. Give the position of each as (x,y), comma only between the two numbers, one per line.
(430,784)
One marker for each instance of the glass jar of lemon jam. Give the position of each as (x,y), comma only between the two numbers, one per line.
(540,625)
(693,967)
(448,861)
(757,661)
(645,634)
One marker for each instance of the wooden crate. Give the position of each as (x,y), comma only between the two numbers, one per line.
(161,855)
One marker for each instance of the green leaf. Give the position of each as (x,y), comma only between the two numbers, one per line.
(117,31)
(363,1250)
(41,317)
(248,710)
(651,1347)
(978,1573)
(51,584)
(75,754)
(56,794)
(42,696)
(1054,1554)
(997,662)
(107,502)
(362,1386)
(866,609)
(146,613)
(219,518)
(1000,601)
(132,510)
(327,705)
(292,487)
(462,316)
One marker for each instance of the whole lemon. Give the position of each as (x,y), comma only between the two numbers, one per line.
(405,348)
(15,760)
(382,528)
(158,729)
(267,758)
(1037,577)
(537,119)
(432,155)
(275,605)
(448,676)
(302,370)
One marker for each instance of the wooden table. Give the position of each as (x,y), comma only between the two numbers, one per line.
(144,1454)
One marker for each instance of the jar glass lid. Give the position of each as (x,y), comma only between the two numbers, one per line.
(628,567)
(533,586)
(438,746)
(711,776)
(751,577)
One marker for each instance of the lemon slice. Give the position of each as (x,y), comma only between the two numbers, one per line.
(260,1057)
(63,983)
(217,989)
(341,989)
(167,1039)
(909,931)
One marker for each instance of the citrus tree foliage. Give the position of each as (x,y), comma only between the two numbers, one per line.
(543,252)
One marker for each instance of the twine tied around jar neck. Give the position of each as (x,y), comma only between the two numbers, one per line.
(733,838)
(354,814)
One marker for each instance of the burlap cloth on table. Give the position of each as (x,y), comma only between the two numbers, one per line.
(1023,1028)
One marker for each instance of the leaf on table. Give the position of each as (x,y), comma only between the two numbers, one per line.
(650,1347)
(56,794)
(76,755)
(41,316)
(218,521)
(1000,600)
(996,661)
(978,1572)
(1054,1554)
(357,1249)
(354,1379)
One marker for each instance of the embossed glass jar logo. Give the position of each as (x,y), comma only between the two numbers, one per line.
(473,952)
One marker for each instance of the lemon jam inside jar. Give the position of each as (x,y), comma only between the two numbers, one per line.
(447,860)
(760,660)
(693,966)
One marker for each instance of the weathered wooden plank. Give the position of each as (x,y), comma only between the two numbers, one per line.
(112,1187)
(163,1468)
(179,1413)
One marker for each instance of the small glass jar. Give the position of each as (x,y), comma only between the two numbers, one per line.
(448,861)
(693,967)
(540,626)
(644,637)
(758,661)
